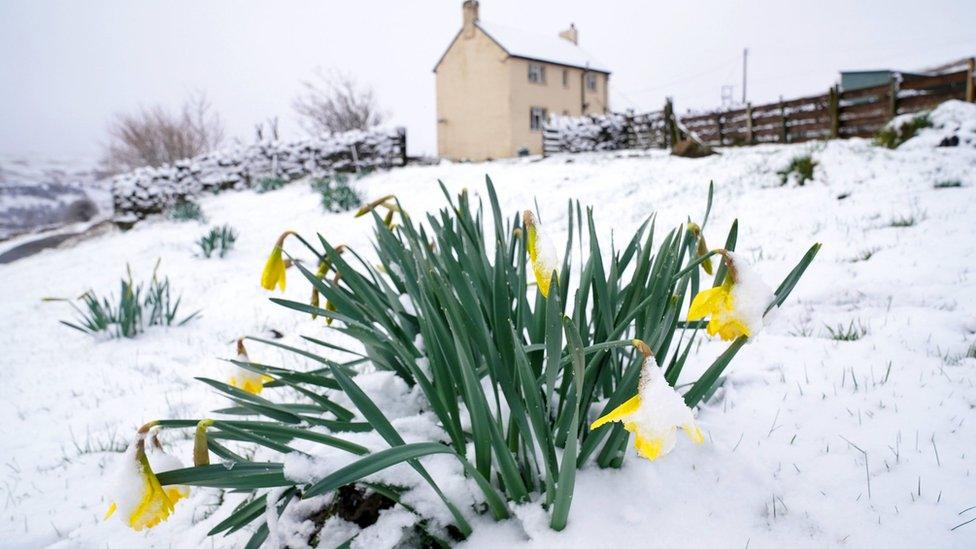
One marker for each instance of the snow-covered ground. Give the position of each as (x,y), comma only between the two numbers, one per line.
(811,442)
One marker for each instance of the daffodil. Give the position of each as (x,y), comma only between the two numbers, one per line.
(246,380)
(542,253)
(274,268)
(160,461)
(737,306)
(654,414)
(138,498)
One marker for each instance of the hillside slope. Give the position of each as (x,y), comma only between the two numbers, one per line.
(811,442)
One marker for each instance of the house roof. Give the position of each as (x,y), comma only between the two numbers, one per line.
(554,49)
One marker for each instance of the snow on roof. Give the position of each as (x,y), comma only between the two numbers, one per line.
(553,49)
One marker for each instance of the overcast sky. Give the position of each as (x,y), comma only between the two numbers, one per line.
(66,66)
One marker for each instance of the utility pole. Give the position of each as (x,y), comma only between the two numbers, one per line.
(745,59)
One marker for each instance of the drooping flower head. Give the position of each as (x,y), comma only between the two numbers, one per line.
(137,497)
(246,380)
(654,414)
(542,252)
(160,461)
(274,268)
(389,202)
(737,306)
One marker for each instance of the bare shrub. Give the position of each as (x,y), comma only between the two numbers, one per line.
(334,102)
(156,136)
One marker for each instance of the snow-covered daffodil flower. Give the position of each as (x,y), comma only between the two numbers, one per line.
(737,306)
(654,414)
(246,380)
(274,268)
(137,497)
(160,462)
(542,253)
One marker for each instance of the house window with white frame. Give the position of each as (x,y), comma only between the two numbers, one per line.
(537,73)
(591,81)
(537,117)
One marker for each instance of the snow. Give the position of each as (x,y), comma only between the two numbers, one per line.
(519,43)
(750,295)
(950,119)
(146,191)
(128,485)
(811,442)
(40,193)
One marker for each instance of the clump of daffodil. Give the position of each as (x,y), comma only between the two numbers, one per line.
(246,380)
(655,413)
(274,268)
(160,461)
(542,253)
(736,307)
(389,202)
(138,499)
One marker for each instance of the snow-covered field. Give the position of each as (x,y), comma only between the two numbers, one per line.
(811,442)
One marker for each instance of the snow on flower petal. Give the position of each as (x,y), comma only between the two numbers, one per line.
(654,415)
(160,461)
(245,380)
(736,308)
(542,252)
(137,497)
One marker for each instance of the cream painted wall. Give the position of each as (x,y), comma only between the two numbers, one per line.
(484,99)
(551,95)
(473,118)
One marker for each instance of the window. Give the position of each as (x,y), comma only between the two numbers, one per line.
(565,78)
(537,73)
(591,81)
(537,117)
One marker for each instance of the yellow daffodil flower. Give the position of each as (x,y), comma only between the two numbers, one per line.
(274,268)
(542,253)
(160,461)
(737,306)
(138,499)
(246,380)
(654,414)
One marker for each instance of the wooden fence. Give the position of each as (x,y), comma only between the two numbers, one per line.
(855,113)
(835,114)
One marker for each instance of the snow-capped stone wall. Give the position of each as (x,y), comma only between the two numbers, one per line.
(604,132)
(148,191)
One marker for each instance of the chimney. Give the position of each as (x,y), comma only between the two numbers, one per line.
(570,34)
(469,10)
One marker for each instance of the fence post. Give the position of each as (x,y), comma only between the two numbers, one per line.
(893,97)
(783,135)
(970,84)
(749,136)
(833,105)
(402,138)
(718,123)
(670,128)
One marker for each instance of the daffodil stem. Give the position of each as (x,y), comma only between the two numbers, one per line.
(729,264)
(374,204)
(307,245)
(694,265)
